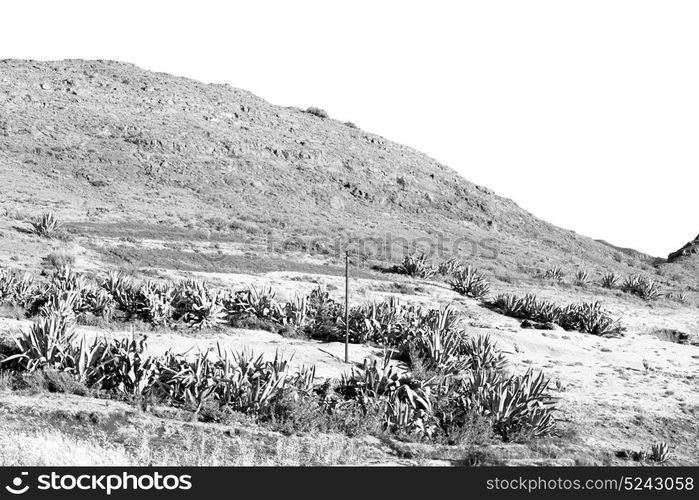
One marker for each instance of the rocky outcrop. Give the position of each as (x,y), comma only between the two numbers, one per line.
(689,250)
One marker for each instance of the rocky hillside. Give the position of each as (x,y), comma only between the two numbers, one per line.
(690,250)
(103,142)
(685,262)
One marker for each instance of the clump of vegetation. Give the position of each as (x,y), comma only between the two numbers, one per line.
(642,287)
(318,315)
(586,317)
(527,307)
(320,113)
(416,265)
(16,290)
(469,282)
(155,302)
(120,297)
(47,225)
(554,274)
(609,280)
(199,307)
(468,378)
(582,277)
(677,297)
(589,317)
(453,381)
(449,267)
(659,452)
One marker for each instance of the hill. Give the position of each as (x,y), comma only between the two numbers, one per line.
(689,251)
(120,151)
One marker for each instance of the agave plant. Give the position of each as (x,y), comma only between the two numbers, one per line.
(364,325)
(539,310)
(62,304)
(23,291)
(469,282)
(396,320)
(191,382)
(582,277)
(154,302)
(121,365)
(416,265)
(253,302)
(123,291)
(205,312)
(660,452)
(449,267)
(197,305)
(325,315)
(649,290)
(507,304)
(46,225)
(482,354)
(380,322)
(304,380)
(296,312)
(45,344)
(65,289)
(643,287)
(8,282)
(609,280)
(102,304)
(252,383)
(589,317)
(440,350)
(554,274)
(405,401)
(516,404)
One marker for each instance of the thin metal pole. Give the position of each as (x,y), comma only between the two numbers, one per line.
(347,307)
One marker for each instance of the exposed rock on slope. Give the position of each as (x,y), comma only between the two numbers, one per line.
(104,141)
(690,249)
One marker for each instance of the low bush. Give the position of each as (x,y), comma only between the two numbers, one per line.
(586,317)
(320,113)
(582,277)
(554,274)
(17,291)
(609,280)
(468,382)
(449,267)
(57,260)
(469,282)
(416,265)
(643,287)
(46,225)
(517,405)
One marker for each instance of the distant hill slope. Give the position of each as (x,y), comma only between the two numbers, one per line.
(689,251)
(104,142)
(685,262)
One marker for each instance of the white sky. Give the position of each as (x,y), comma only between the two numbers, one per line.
(584,112)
